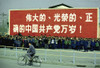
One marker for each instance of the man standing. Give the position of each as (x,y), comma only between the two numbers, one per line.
(85,45)
(92,44)
(46,42)
(26,43)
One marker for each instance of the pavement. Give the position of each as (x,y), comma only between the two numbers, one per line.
(52,58)
(9,63)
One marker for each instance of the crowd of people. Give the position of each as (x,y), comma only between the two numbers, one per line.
(51,42)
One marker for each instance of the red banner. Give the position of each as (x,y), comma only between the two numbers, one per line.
(55,22)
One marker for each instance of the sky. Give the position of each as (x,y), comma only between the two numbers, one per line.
(5,5)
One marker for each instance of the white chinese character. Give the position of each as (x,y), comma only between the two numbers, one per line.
(21,28)
(15,28)
(72,29)
(64,17)
(56,28)
(42,17)
(35,18)
(49,27)
(64,27)
(72,17)
(28,17)
(57,17)
(88,17)
(42,28)
(34,28)
(28,28)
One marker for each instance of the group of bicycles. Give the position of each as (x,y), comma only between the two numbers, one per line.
(23,60)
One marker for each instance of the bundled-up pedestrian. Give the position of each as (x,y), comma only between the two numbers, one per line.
(69,44)
(63,43)
(52,43)
(73,43)
(78,44)
(26,43)
(85,45)
(46,42)
(97,44)
(66,43)
(92,44)
(59,43)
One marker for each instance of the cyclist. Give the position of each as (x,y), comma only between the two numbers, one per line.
(30,53)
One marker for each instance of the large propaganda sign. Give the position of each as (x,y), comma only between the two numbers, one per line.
(55,22)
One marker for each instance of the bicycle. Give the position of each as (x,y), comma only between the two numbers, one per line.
(23,60)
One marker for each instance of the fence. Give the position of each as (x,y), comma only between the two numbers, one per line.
(56,56)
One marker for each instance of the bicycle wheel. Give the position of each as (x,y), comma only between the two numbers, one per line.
(37,61)
(22,60)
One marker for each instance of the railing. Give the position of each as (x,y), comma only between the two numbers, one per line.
(57,55)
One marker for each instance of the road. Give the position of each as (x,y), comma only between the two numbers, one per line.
(56,58)
(10,63)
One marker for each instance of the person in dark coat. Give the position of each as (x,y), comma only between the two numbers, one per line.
(85,45)
(63,44)
(81,43)
(78,44)
(0,39)
(26,43)
(17,42)
(92,44)
(73,43)
(46,42)
(59,43)
(11,42)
